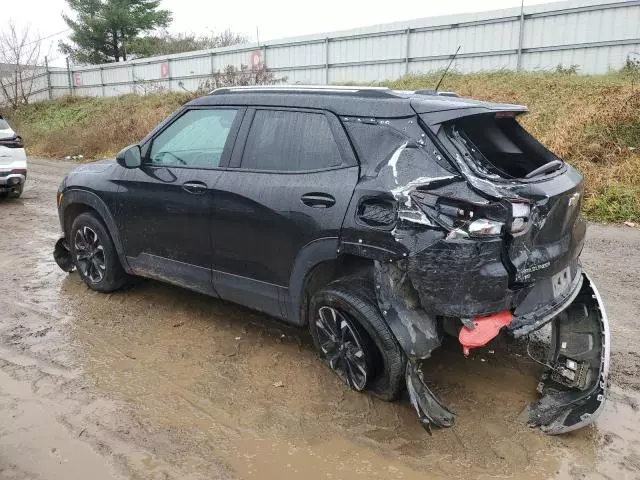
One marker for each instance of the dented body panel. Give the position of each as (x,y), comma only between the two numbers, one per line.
(428,268)
(456,213)
(573,388)
(451,273)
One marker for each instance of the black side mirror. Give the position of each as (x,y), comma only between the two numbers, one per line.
(130,157)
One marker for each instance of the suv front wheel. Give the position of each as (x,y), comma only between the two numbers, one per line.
(353,339)
(94,254)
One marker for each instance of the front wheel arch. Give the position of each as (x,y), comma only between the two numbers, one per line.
(76,202)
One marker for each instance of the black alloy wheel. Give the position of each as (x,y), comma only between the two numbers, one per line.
(89,254)
(342,347)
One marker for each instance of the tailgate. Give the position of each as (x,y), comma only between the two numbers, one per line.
(555,236)
(500,159)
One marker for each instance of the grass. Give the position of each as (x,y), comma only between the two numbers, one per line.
(593,122)
(92,127)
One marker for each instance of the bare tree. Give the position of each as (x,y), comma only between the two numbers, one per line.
(19,57)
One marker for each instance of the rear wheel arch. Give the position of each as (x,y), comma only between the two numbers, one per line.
(354,297)
(328,271)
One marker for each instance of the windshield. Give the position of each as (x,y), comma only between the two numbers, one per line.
(3,124)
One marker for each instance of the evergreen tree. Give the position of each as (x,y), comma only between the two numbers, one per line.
(103,28)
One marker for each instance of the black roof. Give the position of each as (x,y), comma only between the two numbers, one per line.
(379,102)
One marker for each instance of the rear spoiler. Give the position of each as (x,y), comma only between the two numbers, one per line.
(437,110)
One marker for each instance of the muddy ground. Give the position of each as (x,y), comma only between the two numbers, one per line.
(159,383)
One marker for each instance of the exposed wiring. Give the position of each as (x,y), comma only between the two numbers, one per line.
(538,361)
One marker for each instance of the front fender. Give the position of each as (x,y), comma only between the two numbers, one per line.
(84,197)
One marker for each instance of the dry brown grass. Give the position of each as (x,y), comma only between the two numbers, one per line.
(591,121)
(92,127)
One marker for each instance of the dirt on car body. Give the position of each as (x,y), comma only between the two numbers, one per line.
(158,382)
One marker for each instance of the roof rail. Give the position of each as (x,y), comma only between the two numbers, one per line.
(353,89)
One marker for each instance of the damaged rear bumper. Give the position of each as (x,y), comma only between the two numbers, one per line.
(574,385)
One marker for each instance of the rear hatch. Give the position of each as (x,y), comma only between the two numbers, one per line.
(543,232)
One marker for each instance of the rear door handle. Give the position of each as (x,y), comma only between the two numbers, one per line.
(197,188)
(318,200)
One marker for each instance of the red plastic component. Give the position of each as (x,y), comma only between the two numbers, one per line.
(486,328)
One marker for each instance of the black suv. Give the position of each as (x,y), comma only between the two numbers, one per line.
(380,219)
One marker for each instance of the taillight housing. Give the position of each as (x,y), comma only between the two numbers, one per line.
(478,220)
(520,216)
(483,227)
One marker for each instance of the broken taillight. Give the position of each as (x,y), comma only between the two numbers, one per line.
(480,219)
(483,227)
(520,213)
(466,219)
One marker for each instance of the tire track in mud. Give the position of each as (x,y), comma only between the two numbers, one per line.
(165,383)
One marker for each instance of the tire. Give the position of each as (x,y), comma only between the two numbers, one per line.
(15,193)
(94,254)
(354,299)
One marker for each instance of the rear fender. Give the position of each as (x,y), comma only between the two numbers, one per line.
(416,331)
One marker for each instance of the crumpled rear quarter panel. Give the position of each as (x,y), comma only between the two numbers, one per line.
(461,278)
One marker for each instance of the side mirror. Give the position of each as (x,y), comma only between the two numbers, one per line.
(130,157)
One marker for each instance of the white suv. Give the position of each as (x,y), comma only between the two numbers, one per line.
(13,162)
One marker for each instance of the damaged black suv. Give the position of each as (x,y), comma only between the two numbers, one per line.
(382,220)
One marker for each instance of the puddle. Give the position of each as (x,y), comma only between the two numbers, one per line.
(158,382)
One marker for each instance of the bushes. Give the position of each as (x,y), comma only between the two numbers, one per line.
(92,127)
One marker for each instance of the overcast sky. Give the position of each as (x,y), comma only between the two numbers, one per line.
(274,18)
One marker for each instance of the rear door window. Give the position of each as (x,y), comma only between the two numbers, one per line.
(196,139)
(290,141)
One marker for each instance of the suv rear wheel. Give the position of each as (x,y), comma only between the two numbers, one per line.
(94,254)
(353,339)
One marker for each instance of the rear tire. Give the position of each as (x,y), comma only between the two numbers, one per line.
(359,321)
(95,255)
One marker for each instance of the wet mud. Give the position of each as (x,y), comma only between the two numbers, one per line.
(156,382)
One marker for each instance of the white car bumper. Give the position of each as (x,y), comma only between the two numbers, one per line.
(13,168)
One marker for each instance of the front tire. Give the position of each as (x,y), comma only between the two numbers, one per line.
(95,255)
(353,339)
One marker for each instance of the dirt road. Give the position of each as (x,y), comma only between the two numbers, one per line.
(159,383)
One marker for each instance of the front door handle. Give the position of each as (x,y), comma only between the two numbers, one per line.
(318,200)
(197,188)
